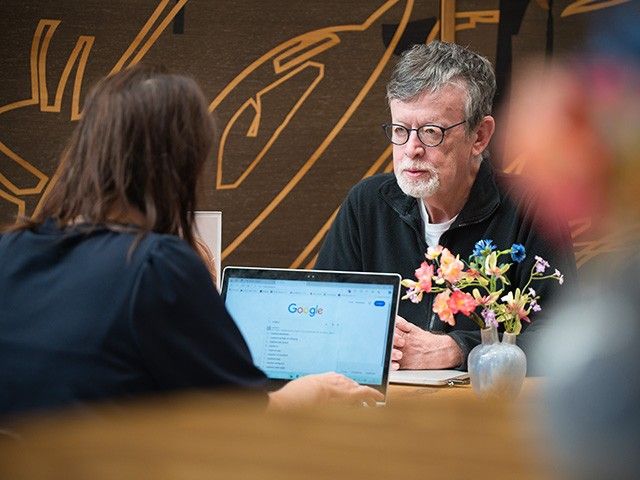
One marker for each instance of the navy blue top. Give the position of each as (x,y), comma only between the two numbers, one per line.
(84,317)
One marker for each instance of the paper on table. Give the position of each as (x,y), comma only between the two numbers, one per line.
(429,377)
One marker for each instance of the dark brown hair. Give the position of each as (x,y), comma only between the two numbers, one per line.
(141,144)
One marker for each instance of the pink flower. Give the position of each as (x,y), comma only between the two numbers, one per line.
(450,267)
(461,302)
(434,252)
(441,307)
(472,274)
(424,275)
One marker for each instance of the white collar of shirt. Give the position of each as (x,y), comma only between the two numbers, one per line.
(433,231)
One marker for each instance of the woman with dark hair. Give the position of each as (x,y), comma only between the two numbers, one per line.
(103,293)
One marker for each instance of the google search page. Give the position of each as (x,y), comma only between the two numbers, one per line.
(295,328)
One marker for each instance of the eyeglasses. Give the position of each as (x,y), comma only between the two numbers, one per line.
(429,135)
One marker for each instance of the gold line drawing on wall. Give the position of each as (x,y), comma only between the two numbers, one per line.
(473,17)
(317,238)
(341,122)
(256,104)
(618,240)
(146,28)
(296,51)
(584,6)
(39,45)
(35,58)
(516,166)
(38,68)
(476,17)
(20,204)
(447,20)
(387,169)
(39,92)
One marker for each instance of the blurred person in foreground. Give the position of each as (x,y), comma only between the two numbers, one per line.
(444,191)
(577,125)
(103,295)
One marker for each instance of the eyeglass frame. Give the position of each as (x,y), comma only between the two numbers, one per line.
(409,130)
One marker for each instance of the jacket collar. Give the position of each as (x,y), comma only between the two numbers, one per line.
(484,198)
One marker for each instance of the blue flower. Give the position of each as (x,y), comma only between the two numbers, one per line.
(483,248)
(517,252)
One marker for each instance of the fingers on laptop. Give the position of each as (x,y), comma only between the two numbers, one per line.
(396,356)
(398,338)
(368,396)
(344,389)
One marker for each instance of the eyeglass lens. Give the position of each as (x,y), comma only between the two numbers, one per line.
(430,135)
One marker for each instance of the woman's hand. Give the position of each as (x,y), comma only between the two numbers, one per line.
(322,389)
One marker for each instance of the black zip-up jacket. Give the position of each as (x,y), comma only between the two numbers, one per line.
(379,229)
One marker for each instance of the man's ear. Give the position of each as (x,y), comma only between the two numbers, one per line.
(483,135)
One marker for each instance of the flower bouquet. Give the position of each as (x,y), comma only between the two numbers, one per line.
(479,284)
(479,289)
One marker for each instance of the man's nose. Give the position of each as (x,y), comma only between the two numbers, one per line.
(414,147)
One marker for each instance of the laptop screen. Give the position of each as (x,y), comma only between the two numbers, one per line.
(298,322)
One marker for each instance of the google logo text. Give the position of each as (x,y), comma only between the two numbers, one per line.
(311,311)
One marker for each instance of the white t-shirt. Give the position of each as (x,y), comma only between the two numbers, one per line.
(433,231)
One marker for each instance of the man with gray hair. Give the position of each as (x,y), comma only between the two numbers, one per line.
(442,192)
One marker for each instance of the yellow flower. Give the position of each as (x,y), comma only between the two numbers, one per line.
(487,299)
(434,252)
(491,266)
(516,305)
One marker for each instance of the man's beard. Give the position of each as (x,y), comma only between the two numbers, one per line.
(421,188)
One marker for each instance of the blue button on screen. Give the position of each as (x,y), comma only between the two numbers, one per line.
(379,303)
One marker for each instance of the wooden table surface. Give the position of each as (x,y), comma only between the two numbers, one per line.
(423,433)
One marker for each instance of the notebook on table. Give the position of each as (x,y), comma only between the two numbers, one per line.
(300,322)
(434,378)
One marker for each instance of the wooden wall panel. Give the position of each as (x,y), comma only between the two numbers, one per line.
(297,87)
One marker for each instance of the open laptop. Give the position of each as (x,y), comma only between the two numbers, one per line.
(299,322)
